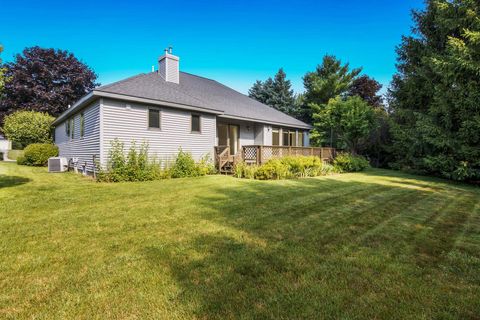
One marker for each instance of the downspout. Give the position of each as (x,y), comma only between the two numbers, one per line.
(101,160)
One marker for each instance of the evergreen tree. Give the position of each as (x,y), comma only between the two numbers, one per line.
(283,98)
(275,92)
(258,92)
(436,96)
(329,80)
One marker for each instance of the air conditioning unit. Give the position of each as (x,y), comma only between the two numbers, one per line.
(57,164)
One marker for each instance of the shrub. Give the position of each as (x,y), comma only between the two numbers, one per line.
(346,162)
(21,160)
(327,169)
(301,166)
(284,168)
(184,166)
(14,154)
(273,170)
(137,166)
(28,127)
(37,154)
(205,166)
(243,170)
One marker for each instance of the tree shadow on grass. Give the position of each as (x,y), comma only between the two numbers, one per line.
(301,249)
(411,180)
(12,181)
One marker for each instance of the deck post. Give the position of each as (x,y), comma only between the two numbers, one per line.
(259,155)
(321,153)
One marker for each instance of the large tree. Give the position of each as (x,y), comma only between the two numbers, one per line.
(436,96)
(2,74)
(329,80)
(45,80)
(376,146)
(276,92)
(351,120)
(368,89)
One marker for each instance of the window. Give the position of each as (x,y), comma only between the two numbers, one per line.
(195,123)
(300,139)
(82,125)
(275,137)
(72,127)
(289,138)
(293,138)
(67,128)
(285,138)
(154,118)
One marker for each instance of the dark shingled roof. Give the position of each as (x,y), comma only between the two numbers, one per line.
(200,92)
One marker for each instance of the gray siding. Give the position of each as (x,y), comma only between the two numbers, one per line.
(259,133)
(267,135)
(172,70)
(247,133)
(169,68)
(84,147)
(129,121)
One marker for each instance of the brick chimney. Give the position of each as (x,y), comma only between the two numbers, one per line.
(168,66)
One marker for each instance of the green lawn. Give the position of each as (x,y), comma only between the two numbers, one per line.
(378,244)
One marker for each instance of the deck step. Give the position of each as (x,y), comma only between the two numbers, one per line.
(227,167)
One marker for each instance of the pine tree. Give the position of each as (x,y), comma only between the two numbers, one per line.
(329,80)
(257,92)
(435,95)
(275,92)
(282,97)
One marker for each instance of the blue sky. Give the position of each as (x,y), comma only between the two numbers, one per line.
(234,42)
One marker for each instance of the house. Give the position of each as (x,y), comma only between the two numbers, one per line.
(170,109)
(5,146)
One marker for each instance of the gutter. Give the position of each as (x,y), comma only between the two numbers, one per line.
(297,126)
(94,94)
(125,97)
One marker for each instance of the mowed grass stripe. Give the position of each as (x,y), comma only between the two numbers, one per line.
(343,246)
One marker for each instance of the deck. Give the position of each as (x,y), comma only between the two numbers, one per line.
(258,154)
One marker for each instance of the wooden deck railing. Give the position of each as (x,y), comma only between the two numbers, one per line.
(258,154)
(224,160)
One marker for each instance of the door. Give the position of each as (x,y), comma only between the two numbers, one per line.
(233,138)
(222,132)
(229,135)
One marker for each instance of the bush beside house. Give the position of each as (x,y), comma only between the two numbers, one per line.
(37,154)
(137,166)
(300,167)
(284,168)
